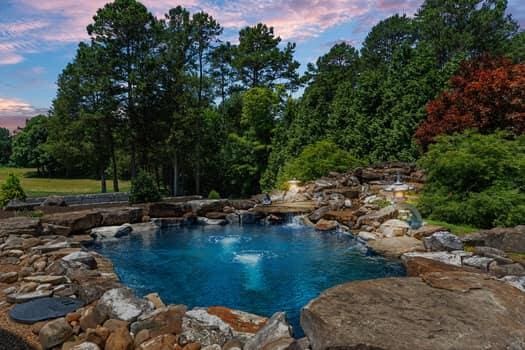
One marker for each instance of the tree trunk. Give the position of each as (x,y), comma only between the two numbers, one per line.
(175,189)
(115,170)
(103,187)
(133,161)
(198,178)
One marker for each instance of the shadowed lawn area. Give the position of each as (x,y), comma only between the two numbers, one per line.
(37,186)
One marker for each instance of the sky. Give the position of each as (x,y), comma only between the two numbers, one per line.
(39,37)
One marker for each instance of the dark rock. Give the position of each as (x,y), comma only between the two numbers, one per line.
(167,209)
(442,240)
(393,313)
(18,205)
(319,213)
(249,217)
(214,215)
(109,233)
(506,239)
(500,270)
(83,258)
(242,204)
(121,216)
(204,206)
(54,201)
(93,290)
(51,229)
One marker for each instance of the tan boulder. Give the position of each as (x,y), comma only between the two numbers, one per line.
(119,339)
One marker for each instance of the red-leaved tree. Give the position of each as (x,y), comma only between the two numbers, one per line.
(487,95)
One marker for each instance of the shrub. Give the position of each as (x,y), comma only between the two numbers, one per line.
(11,189)
(144,189)
(315,161)
(474,179)
(487,95)
(214,195)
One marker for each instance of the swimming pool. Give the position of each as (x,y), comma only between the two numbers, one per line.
(255,268)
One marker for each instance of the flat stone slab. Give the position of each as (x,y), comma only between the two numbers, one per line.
(44,309)
(54,280)
(442,311)
(396,246)
(17,298)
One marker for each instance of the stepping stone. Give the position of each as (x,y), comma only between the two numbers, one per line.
(18,298)
(44,309)
(46,279)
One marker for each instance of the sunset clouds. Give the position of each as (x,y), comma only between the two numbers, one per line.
(45,32)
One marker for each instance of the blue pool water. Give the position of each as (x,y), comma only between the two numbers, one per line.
(259,269)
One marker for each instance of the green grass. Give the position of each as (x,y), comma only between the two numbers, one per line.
(458,230)
(37,186)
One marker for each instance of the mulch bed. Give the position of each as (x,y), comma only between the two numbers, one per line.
(10,341)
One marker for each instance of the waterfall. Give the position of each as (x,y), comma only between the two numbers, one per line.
(294,220)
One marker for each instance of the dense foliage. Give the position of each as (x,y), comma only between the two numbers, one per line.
(5,146)
(168,97)
(487,95)
(11,189)
(475,179)
(144,189)
(315,161)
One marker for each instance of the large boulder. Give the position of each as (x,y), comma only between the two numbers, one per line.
(506,239)
(122,304)
(394,228)
(111,233)
(442,240)
(444,310)
(20,225)
(451,258)
(120,216)
(318,213)
(396,246)
(54,333)
(418,266)
(167,209)
(379,216)
(78,221)
(326,225)
(54,201)
(203,206)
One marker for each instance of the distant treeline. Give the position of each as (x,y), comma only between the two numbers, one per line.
(167,96)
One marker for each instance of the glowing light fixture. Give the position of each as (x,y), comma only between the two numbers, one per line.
(399,189)
(293,185)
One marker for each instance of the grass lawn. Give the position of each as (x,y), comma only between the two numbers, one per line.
(458,230)
(36,186)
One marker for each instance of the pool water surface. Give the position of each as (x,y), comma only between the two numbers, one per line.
(254,268)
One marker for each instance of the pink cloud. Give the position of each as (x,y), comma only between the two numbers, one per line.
(10,58)
(14,112)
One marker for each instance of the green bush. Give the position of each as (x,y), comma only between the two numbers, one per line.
(144,189)
(11,189)
(315,161)
(474,179)
(214,195)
